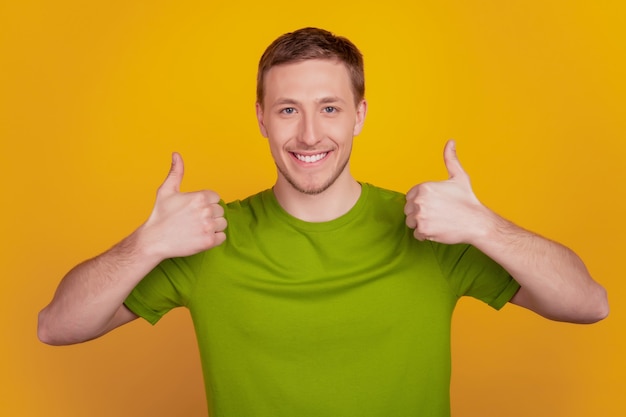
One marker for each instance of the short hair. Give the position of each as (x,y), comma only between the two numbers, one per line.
(312,43)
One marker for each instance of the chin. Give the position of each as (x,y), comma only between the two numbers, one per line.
(311,189)
(308,188)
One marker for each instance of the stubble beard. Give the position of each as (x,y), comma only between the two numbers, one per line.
(313,191)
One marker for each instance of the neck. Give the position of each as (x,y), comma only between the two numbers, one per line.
(328,205)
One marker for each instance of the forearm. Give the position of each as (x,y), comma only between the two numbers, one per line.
(89,299)
(554,281)
(89,296)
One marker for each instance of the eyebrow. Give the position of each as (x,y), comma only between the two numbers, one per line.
(331,99)
(323,100)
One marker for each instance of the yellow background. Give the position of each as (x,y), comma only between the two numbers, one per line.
(94,96)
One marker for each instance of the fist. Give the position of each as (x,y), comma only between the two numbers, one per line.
(445,211)
(183,224)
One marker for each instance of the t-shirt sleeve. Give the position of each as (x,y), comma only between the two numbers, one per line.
(167,286)
(472,273)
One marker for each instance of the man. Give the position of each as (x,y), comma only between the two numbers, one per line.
(324,296)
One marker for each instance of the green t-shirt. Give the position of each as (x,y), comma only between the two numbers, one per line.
(349,317)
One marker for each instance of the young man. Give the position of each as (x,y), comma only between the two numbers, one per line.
(329,297)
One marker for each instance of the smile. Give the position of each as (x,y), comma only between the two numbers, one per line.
(311,158)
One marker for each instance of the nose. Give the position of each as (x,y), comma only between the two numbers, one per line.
(310,131)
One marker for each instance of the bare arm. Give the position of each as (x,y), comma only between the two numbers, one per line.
(89,300)
(554,281)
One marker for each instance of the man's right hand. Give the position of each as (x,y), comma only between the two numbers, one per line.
(183,224)
(89,300)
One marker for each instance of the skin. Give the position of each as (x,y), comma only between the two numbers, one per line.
(309,110)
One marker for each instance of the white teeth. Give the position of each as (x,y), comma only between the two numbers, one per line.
(311,158)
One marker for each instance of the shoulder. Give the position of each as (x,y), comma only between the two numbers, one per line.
(384,200)
(253,203)
(383,196)
(245,214)
(382,193)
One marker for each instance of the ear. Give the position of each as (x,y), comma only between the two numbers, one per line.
(361,111)
(259,118)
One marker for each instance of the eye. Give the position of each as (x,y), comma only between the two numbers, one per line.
(288,110)
(330,109)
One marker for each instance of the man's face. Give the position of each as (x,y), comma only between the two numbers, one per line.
(310,118)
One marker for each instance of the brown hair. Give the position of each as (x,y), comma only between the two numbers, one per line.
(312,43)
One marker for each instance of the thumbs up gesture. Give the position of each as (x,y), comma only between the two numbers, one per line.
(446,211)
(183,224)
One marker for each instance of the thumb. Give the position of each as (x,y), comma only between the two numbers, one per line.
(453,165)
(175,176)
